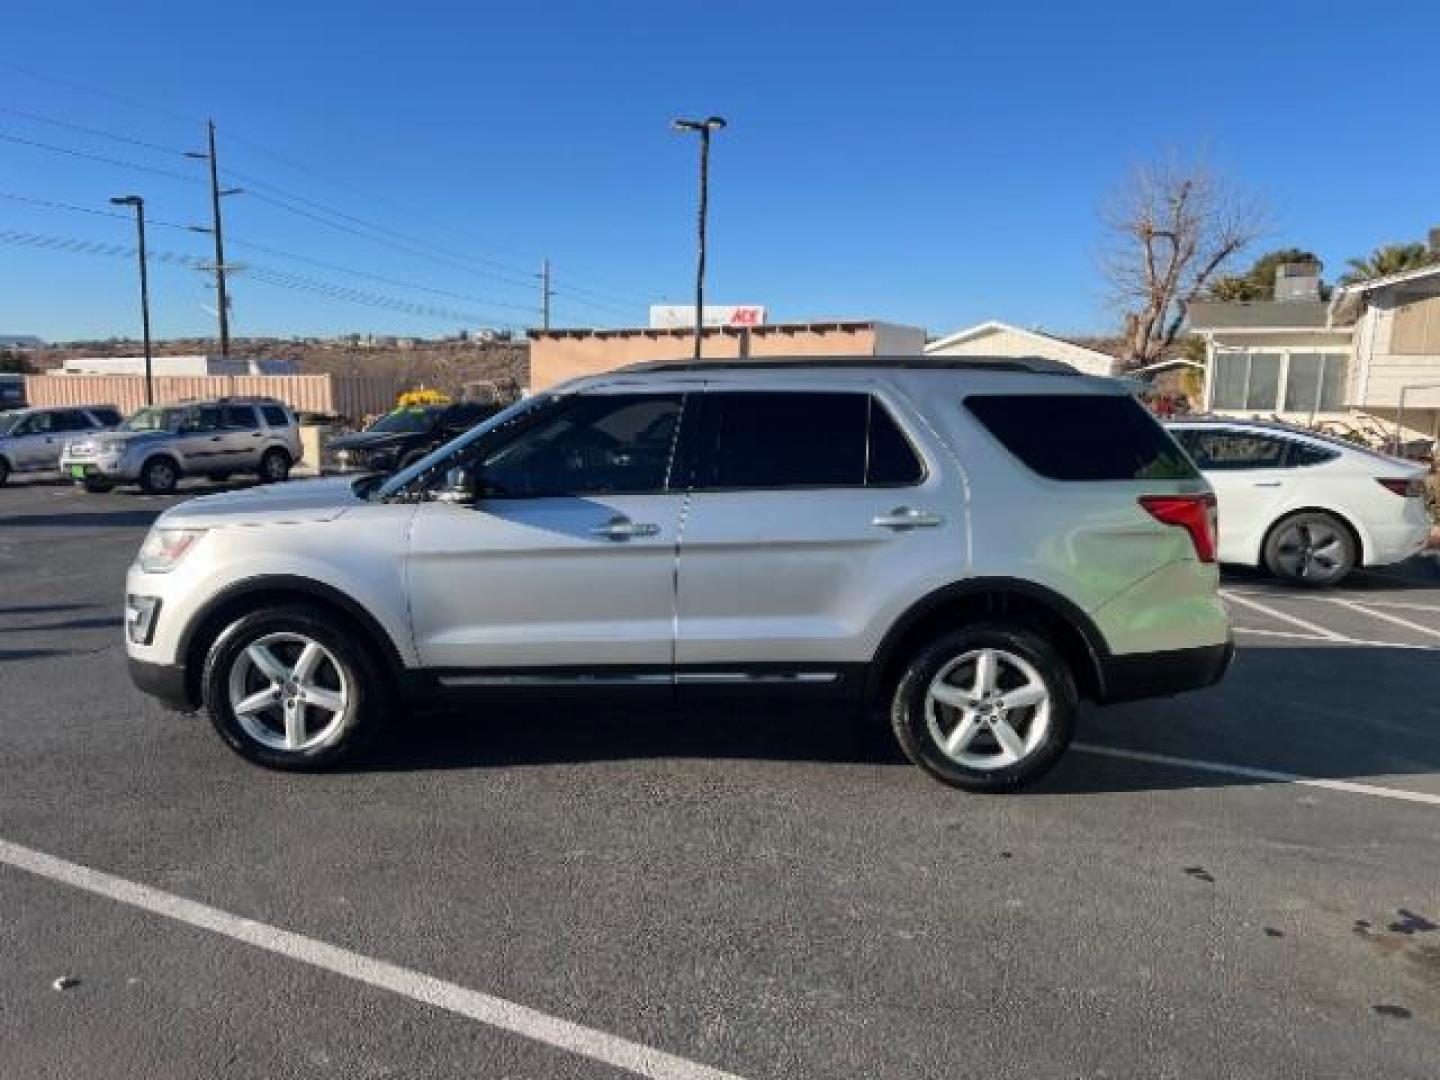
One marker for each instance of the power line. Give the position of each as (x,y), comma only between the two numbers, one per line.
(96,91)
(102,133)
(95,211)
(262,274)
(98,157)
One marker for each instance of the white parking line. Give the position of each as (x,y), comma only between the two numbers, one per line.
(1268,775)
(1395,620)
(1370,601)
(496,1012)
(1264,609)
(1363,642)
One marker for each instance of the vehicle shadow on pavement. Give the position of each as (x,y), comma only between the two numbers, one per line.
(96,519)
(1333,712)
(513,734)
(1419,572)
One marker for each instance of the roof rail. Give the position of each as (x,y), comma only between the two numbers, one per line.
(1036,365)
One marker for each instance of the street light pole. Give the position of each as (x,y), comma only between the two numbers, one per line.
(139,204)
(704,129)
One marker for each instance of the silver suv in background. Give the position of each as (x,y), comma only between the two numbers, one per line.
(162,443)
(973,547)
(31,440)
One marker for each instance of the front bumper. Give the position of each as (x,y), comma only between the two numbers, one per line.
(112,469)
(166,682)
(1159,674)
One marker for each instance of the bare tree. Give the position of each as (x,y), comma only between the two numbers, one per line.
(1170,230)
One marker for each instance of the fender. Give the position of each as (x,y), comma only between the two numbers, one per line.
(1096,648)
(292,584)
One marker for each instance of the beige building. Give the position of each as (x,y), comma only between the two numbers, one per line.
(558,355)
(1001,339)
(1306,358)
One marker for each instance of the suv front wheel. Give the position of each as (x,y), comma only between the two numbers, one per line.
(285,690)
(987,708)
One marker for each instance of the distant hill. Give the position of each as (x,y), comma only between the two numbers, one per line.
(20,341)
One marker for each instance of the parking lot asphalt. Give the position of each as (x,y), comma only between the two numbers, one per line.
(1238,882)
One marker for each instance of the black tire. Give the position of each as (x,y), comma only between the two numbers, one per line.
(159,476)
(349,667)
(275,466)
(4,471)
(96,486)
(1015,647)
(1311,549)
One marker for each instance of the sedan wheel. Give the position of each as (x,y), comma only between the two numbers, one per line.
(1310,549)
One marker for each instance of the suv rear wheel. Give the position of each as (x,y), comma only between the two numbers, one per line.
(275,466)
(159,476)
(987,708)
(285,690)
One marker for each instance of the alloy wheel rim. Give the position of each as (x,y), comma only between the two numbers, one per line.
(1311,551)
(988,709)
(161,476)
(274,467)
(288,692)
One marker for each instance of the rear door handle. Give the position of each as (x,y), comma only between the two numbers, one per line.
(907,517)
(622,528)
(1268,483)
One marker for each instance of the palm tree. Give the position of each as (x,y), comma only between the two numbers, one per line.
(1387,260)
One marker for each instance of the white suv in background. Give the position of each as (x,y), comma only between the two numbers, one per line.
(973,545)
(1307,507)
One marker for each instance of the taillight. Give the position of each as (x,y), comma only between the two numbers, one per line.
(1194,513)
(1407,489)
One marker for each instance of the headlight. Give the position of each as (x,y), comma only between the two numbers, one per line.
(164,548)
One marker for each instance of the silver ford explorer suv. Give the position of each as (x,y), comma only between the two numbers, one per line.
(162,443)
(971,546)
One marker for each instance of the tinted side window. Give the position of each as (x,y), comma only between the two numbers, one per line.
(1227,448)
(765,440)
(208,418)
(106,417)
(595,445)
(1081,436)
(890,459)
(1302,454)
(71,420)
(275,416)
(241,416)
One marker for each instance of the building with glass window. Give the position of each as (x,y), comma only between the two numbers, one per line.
(1371,347)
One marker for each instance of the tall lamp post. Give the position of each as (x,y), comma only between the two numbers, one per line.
(704,129)
(139,204)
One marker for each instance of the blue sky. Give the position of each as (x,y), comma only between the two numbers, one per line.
(930,163)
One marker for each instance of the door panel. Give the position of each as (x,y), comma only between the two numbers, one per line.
(541,582)
(805,577)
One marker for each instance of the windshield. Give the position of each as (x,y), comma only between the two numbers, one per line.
(407,420)
(522,408)
(154,419)
(8,422)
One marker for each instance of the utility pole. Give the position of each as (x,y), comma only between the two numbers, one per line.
(222,299)
(139,204)
(704,129)
(545,294)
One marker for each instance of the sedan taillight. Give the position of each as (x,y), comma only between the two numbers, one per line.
(1195,514)
(1413,488)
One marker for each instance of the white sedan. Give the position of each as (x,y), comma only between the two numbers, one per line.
(1307,507)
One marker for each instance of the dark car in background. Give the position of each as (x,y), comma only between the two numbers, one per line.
(402,437)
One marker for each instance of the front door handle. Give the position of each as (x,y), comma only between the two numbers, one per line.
(622,528)
(216,438)
(907,517)
(1267,483)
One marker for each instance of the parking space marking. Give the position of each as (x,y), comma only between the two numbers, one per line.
(1370,601)
(1363,642)
(1385,616)
(495,1012)
(1250,773)
(1264,609)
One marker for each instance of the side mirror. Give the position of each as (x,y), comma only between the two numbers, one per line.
(458,487)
